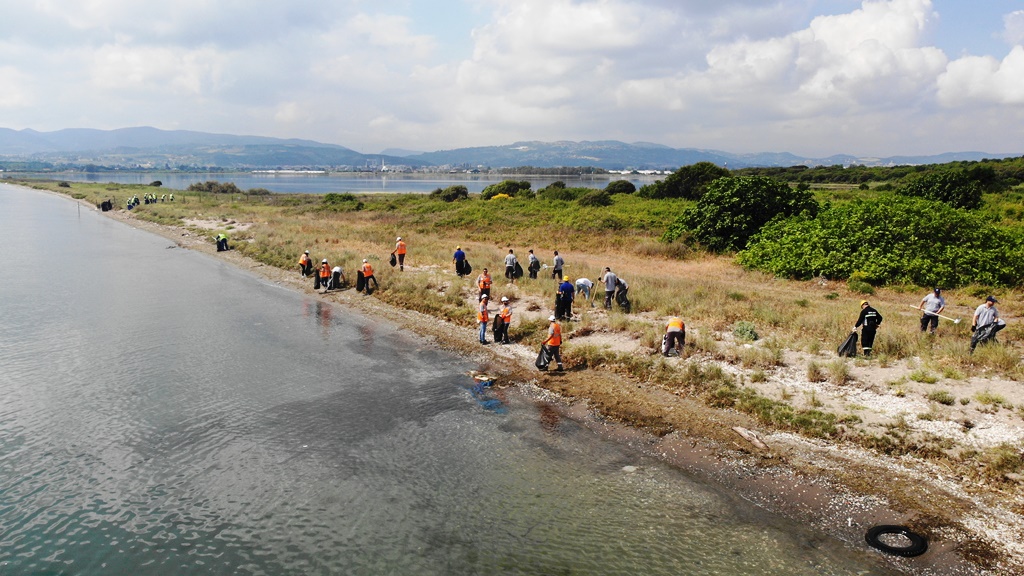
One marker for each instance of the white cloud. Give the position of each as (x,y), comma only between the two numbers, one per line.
(16,92)
(1013,28)
(984,80)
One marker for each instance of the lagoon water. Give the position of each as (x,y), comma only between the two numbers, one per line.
(162,412)
(291,183)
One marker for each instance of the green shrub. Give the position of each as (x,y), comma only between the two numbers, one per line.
(892,240)
(451,193)
(744,330)
(512,188)
(954,187)
(688,182)
(595,198)
(732,210)
(942,397)
(620,187)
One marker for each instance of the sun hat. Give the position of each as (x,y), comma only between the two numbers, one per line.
(551,318)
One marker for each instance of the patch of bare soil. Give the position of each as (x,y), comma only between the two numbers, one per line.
(974,526)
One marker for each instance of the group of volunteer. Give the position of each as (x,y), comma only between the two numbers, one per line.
(984,325)
(334,278)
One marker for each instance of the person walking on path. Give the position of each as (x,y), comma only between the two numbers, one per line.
(400,252)
(932,304)
(510,266)
(585,286)
(483,281)
(610,280)
(505,313)
(554,340)
(986,323)
(566,293)
(556,270)
(675,335)
(459,258)
(482,317)
(870,319)
(324,275)
(305,264)
(534,265)
(368,275)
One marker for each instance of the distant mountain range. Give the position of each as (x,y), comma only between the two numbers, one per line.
(146,147)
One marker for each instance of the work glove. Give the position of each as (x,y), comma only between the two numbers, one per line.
(973,328)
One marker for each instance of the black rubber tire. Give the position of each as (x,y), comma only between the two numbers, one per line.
(918,544)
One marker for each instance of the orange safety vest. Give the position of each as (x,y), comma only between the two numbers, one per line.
(506,314)
(367,270)
(676,323)
(482,316)
(400,248)
(555,331)
(304,259)
(484,281)
(325,271)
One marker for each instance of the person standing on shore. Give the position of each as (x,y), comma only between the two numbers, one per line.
(510,266)
(559,263)
(505,313)
(534,265)
(554,340)
(675,336)
(459,258)
(483,281)
(305,264)
(400,252)
(368,275)
(932,304)
(482,317)
(610,280)
(870,319)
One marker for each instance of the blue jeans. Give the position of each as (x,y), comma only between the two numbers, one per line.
(483,331)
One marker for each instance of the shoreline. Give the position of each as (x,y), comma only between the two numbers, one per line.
(834,489)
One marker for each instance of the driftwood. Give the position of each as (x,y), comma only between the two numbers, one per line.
(750,436)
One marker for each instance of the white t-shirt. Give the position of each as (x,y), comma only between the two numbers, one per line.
(584,283)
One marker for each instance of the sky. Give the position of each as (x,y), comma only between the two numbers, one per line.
(812,77)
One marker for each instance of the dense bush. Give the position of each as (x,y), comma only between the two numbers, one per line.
(688,182)
(511,188)
(451,193)
(335,198)
(620,187)
(734,209)
(215,187)
(595,198)
(555,192)
(954,187)
(891,239)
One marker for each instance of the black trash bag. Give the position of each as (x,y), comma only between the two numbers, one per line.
(986,333)
(849,346)
(394,260)
(467,269)
(664,344)
(543,358)
(316,280)
(360,281)
(497,327)
(518,272)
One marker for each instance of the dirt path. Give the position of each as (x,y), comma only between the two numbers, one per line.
(974,528)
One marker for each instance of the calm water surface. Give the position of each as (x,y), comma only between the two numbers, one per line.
(165,413)
(334,182)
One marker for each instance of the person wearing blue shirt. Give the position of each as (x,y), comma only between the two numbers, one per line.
(563,301)
(460,261)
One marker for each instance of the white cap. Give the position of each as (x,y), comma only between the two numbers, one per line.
(504,298)
(307,251)
(484,296)
(551,318)
(364,260)
(324,260)
(399,239)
